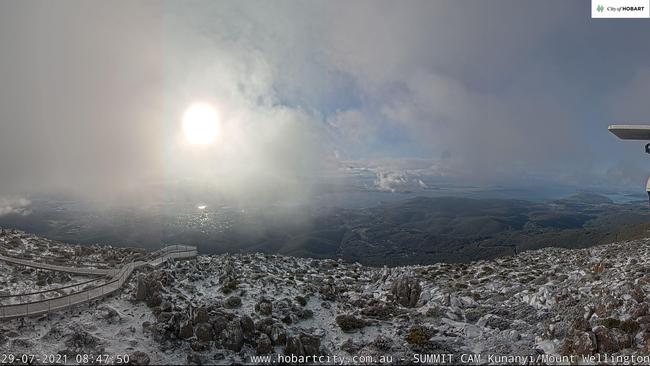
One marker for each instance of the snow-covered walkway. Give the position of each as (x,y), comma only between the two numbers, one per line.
(118,278)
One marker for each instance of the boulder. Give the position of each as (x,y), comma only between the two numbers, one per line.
(278,334)
(328,292)
(310,343)
(232,336)
(199,346)
(201,315)
(142,288)
(639,310)
(248,327)
(584,343)
(219,323)
(264,307)
(494,322)
(185,330)
(611,340)
(637,294)
(166,306)
(301,300)
(148,289)
(107,313)
(294,347)
(204,332)
(139,358)
(154,300)
(264,325)
(264,345)
(406,291)
(351,346)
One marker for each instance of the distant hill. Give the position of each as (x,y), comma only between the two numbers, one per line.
(586,198)
(452,229)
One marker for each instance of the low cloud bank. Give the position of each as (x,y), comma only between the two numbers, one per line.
(15,205)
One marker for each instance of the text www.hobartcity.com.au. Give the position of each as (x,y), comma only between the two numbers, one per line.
(448,359)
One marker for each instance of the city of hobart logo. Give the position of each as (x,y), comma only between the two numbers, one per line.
(625,8)
(620,8)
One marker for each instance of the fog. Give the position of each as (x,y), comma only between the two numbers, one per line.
(505,92)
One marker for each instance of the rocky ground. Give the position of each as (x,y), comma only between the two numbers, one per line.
(225,309)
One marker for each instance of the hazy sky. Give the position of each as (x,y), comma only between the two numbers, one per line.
(494,92)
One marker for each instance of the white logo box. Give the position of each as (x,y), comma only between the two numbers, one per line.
(620,8)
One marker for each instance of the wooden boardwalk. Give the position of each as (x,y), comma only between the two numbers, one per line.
(118,278)
(52,267)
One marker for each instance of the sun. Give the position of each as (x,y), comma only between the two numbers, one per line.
(200,124)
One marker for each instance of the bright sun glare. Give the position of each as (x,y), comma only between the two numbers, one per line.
(200,124)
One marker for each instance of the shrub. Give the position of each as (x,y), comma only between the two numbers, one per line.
(230,286)
(629,326)
(418,336)
(610,323)
(349,323)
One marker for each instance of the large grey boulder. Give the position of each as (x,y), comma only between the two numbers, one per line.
(264,345)
(248,327)
(406,291)
(204,332)
(201,315)
(310,344)
(611,340)
(584,343)
(233,336)
(186,330)
(264,307)
(142,288)
(294,347)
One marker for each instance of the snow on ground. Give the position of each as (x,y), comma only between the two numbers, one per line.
(227,308)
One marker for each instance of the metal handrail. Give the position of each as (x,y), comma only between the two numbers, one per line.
(53,267)
(52,289)
(93,265)
(120,277)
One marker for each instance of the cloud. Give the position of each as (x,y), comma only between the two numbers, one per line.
(14,206)
(500,87)
(80,104)
(629,103)
(398,175)
(398,182)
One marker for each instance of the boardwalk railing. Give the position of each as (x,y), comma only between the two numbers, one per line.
(57,289)
(120,276)
(53,267)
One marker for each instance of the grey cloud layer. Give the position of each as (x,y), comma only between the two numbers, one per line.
(91,93)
